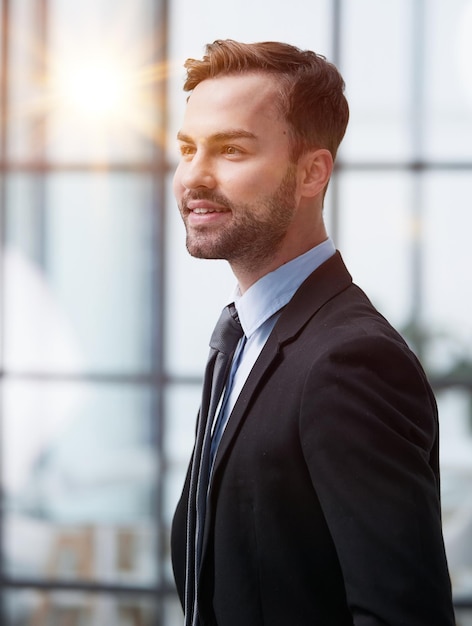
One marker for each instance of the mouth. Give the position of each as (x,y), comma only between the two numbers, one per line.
(204,207)
(202,213)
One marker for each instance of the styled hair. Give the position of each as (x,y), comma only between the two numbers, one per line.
(310,89)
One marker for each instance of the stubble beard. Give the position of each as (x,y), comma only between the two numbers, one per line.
(255,231)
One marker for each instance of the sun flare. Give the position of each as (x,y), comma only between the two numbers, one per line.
(94,90)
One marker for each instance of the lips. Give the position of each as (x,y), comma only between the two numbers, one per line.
(204,207)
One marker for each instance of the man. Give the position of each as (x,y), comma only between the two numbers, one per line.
(322,493)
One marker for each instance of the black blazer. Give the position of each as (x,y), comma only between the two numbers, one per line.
(324,505)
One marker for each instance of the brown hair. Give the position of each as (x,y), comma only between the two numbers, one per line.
(311,90)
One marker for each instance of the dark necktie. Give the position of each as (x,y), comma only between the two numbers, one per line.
(223,344)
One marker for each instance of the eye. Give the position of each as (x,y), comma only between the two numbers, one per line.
(186,149)
(231,150)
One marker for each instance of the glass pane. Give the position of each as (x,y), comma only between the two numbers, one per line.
(375,238)
(181,407)
(192,26)
(448,80)
(74,608)
(173,614)
(25,97)
(102,76)
(80,470)
(463,617)
(79,273)
(376,47)
(447,298)
(84,81)
(455,412)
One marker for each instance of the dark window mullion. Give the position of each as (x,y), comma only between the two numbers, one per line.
(4,77)
(159,243)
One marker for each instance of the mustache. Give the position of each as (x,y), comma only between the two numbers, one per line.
(205,194)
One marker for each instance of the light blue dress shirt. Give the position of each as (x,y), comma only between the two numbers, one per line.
(259,309)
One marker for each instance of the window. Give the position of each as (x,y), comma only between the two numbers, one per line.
(104,317)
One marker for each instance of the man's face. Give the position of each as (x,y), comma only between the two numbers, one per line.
(235,184)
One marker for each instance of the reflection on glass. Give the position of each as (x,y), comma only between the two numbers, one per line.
(464,48)
(58,608)
(79,273)
(455,413)
(447,81)
(447,298)
(172,614)
(79,471)
(181,407)
(377,85)
(463,617)
(375,238)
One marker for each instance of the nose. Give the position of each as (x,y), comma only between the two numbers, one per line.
(196,172)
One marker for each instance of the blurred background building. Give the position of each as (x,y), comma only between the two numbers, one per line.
(105,318)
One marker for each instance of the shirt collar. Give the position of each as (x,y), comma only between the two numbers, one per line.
(274,290)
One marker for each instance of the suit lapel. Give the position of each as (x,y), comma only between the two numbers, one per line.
(267,356)
(322,285)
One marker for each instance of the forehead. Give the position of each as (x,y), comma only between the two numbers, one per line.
(247,101)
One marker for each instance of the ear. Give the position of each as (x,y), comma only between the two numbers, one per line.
(316,167)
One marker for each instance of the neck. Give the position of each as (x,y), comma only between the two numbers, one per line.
(247,272)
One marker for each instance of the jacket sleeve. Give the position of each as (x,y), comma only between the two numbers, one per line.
(368,428)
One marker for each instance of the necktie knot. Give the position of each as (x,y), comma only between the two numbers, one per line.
(228,331)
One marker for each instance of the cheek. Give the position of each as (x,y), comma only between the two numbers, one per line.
(259,186)
(253,182)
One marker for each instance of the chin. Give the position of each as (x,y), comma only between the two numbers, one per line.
(202,248)
(202,252)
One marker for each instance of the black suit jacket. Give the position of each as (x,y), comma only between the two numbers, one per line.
(324,504)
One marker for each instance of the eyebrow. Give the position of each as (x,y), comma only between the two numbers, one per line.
(220,137)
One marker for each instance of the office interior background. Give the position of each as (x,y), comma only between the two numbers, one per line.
(105,318)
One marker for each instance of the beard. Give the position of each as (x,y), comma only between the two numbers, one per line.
(255,231)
